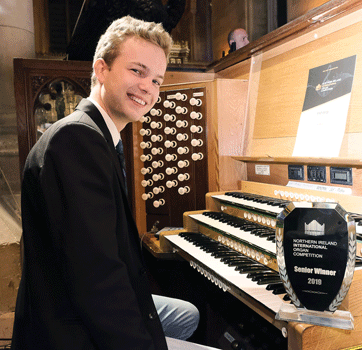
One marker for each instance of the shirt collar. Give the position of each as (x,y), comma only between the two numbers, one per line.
(109,122)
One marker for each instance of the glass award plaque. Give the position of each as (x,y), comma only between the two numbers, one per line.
(316,251)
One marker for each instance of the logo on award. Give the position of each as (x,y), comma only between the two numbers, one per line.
(314,229)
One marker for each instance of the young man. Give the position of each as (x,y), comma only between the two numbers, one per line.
(84,285)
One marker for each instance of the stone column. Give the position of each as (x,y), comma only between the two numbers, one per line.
(16,40)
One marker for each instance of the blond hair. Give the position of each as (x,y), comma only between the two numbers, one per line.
(123,28)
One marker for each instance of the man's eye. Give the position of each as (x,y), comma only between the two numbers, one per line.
(157,82)
(136,70)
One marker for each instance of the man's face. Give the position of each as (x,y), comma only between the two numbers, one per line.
(130,87)
(241,38)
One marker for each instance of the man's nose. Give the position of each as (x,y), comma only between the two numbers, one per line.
(146,85)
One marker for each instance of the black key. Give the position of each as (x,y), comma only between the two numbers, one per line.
(265,277)
(240,263)
(244,263)
(261,273)
(248,269)
(221,253)
(280,290)
(232,258)
(274,286)
(269,281)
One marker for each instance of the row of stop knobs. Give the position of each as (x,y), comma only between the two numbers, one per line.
(180,150)
(168,143)
(168,117)
(160,176)
(171,130)
(156,112)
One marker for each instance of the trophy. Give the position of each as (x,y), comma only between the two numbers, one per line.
(316,251)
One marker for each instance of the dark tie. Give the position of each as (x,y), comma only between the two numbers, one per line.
(122,160)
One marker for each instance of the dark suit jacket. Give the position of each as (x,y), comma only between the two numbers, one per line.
(84,285)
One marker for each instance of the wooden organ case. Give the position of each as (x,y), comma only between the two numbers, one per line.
(233,236)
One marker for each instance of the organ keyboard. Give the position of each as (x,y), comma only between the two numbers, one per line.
(247,200)
(228,278)
(231,244)
(239,230)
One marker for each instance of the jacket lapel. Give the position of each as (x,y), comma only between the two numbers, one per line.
(90,109)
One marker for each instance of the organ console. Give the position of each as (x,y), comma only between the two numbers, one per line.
(230,241)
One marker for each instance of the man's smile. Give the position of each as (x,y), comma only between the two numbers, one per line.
(136,99)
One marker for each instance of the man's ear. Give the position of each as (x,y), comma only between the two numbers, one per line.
(100,68)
